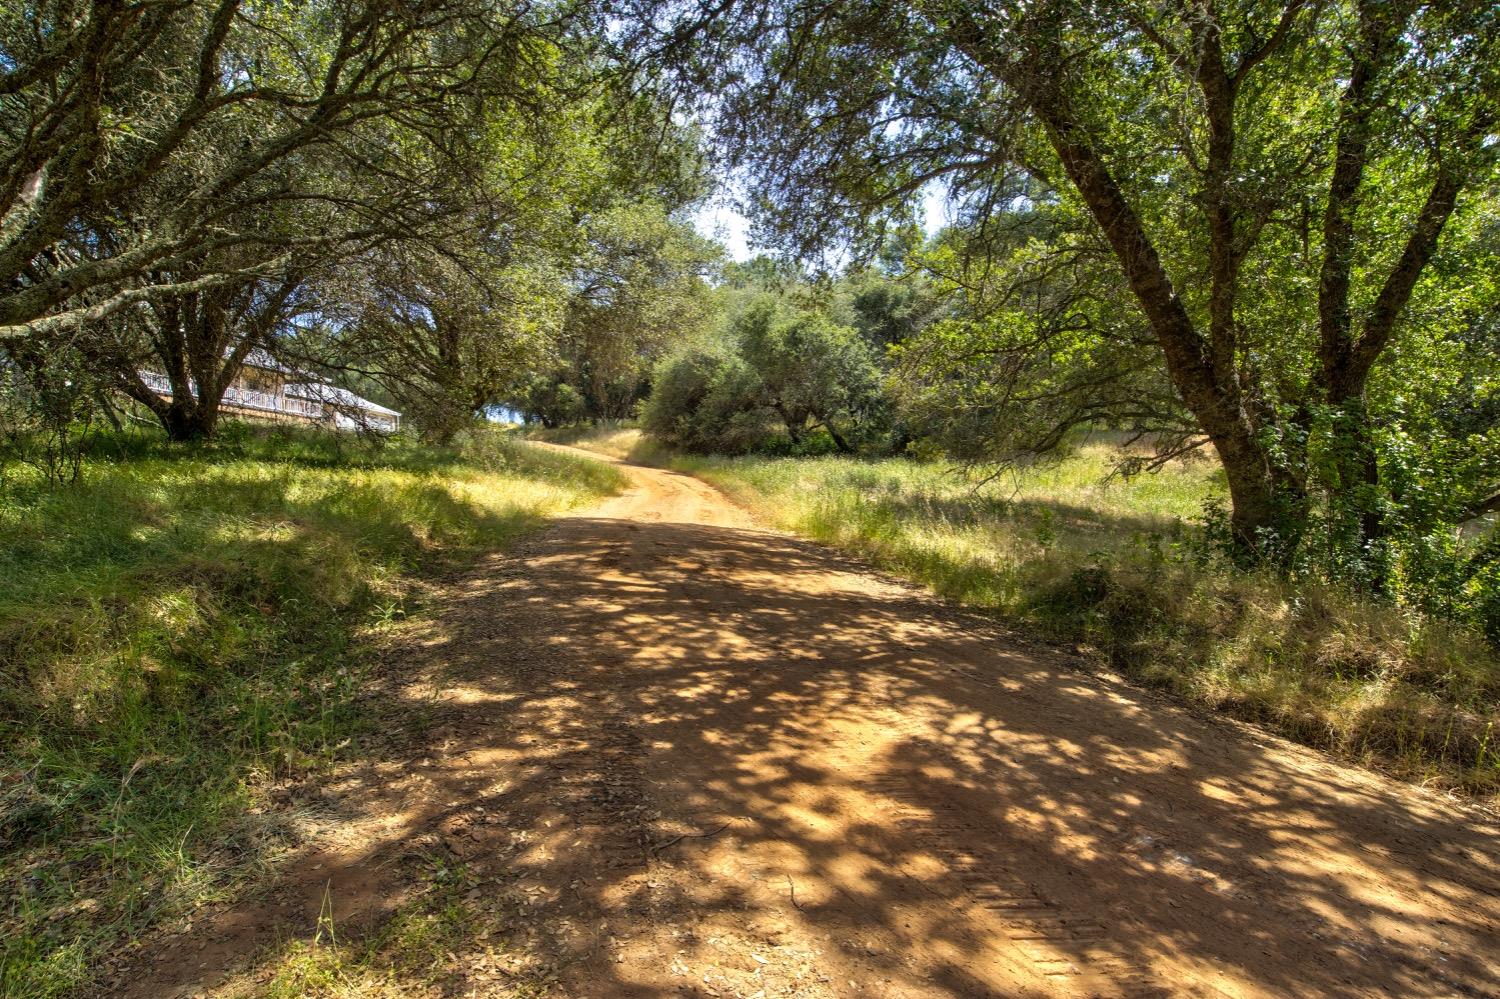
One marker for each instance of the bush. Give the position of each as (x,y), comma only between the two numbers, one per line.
(705,401)
(816,379)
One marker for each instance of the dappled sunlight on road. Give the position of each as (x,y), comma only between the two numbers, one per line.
(719,761)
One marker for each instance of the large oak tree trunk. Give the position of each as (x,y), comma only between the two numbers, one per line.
(1202,369)
(1264,508)
(1267,489)
(1203,372)
(191,420)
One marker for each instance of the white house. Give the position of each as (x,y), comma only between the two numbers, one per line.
(349,411)
(268,389)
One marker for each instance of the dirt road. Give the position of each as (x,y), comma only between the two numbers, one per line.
(714,760)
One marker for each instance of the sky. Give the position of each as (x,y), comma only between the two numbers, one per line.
(719,220)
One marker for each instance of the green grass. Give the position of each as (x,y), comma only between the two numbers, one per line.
(456,929)
(1120,566)
(184,627)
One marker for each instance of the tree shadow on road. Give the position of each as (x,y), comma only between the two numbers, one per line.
(683,748)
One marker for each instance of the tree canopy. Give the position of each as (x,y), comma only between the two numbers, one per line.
(1263,228)
(438,198)
(1273,186)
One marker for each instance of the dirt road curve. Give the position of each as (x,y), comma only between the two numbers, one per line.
(718,761)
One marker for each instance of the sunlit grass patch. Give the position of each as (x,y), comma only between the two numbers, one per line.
(613,439)
(457,929)
(183,627)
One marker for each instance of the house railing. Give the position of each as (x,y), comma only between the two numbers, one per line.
(304,406)
(243,398)
(155,382)
(345,417)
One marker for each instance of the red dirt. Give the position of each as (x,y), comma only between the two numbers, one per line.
(715,760)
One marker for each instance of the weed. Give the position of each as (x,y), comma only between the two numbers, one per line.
(416,950)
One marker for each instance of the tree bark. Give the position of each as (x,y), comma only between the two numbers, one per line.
(1268,499)
(1202,373)
(1347,353)
(838,439)
(186,422)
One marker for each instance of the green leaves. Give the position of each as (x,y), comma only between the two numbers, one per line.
(779,361)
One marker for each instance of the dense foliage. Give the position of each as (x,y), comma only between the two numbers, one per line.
(1264,199)
(795,367)
(432,202)
(1261,229)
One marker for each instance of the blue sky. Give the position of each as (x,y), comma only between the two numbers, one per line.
(719,220)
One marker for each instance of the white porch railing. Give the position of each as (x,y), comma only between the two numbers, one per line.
(243,398)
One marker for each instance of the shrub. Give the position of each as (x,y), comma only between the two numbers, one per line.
(706,400)
(815,378)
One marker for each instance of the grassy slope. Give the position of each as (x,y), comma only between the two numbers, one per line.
(183,628)
(1117,566)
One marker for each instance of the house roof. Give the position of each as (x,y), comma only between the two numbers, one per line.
(259,358)
(317,391)
(335,396)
